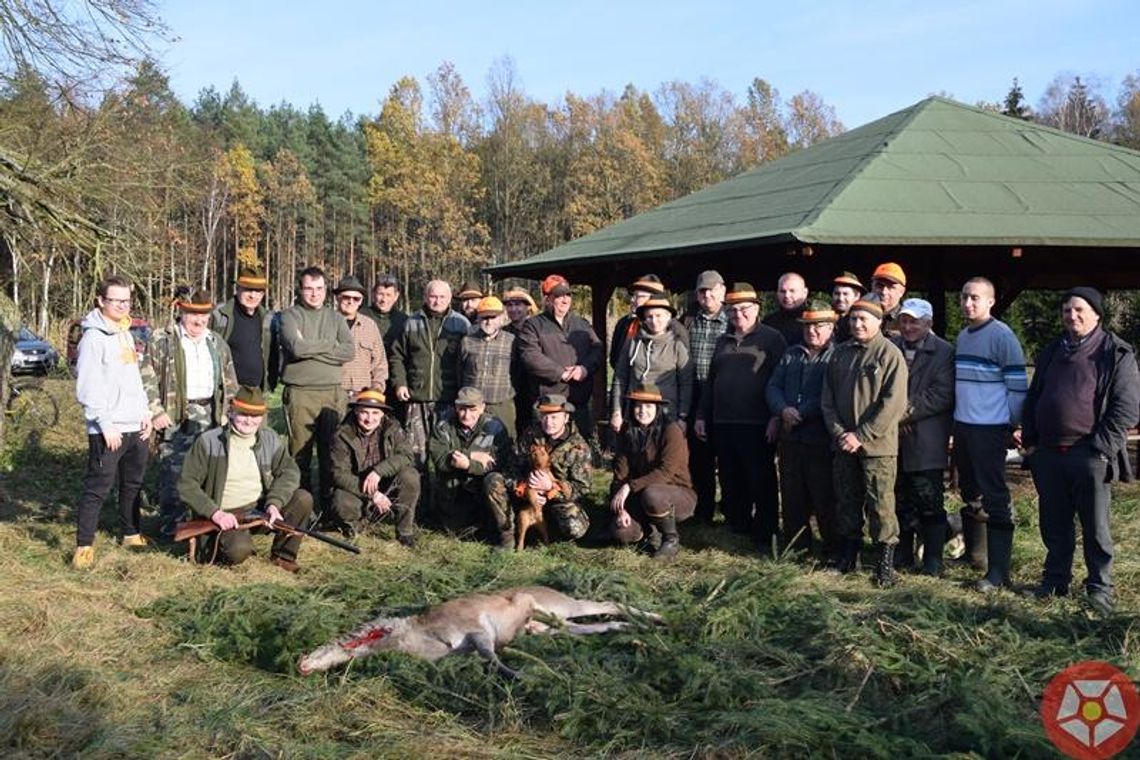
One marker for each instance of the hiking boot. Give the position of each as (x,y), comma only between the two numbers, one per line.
(885,575)
(84,558)
(287,565)
(134,541)
(408,541)
(999,550)
(933,541)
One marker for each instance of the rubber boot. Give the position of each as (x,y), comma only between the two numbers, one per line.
(904,550)
(849,556)
(670,542)
(933,540)
(975,535)
(885,575)
(999,551)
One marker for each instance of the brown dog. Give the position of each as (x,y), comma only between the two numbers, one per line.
(532,514)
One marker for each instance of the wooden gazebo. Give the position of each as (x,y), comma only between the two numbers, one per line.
(947,190)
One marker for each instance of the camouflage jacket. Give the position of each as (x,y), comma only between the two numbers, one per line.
(164,375)
(570,463)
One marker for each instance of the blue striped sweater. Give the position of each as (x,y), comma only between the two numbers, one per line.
(990,380)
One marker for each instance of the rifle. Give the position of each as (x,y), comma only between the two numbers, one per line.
(192,529)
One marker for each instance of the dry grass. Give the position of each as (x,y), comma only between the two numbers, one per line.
(149,656)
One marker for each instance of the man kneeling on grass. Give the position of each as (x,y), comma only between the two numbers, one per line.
(239,468)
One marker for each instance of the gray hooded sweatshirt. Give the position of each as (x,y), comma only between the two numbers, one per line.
(109,384)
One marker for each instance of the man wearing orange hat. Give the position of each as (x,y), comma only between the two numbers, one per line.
(888,283)
(486,357)
(246,326)
(560,352)
(190,380)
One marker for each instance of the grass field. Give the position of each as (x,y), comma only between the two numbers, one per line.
(149,656)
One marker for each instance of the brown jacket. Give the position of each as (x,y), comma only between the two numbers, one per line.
(864,392)
(662,458)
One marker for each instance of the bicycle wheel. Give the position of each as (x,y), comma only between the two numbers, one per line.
(31,407)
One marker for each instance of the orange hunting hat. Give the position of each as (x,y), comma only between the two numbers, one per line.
(646,393)
(891,272)
(489,306)
(555,285)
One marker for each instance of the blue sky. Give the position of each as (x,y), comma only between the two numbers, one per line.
(866,59)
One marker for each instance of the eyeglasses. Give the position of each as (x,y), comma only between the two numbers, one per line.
(743,308)
(117,301)
(355,299)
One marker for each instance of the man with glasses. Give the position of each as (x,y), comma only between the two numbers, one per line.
(110,390)
(734,413)
(369,367)
(315,343)
(485,358)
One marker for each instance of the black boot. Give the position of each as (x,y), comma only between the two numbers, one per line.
(933,540)
(849,556)
(904,551)
(1000,548)
(670,542)
(975,536)
(885,575)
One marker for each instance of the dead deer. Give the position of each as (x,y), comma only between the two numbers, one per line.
(532,513)
(472,623)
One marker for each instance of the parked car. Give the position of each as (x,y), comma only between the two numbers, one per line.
(33,354)
(140,331)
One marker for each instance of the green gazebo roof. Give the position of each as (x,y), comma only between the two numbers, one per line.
(938,173)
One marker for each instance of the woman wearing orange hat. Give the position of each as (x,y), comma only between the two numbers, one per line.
(654,354)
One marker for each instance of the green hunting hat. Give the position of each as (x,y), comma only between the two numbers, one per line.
(469,396)
(350,285)
(249,401)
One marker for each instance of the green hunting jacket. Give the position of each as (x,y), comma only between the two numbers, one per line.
(203,478)
(425,356)
(348,452)
(864,392)
(315,343)
(570,462)
(164,375)
(489,436)
(222,322)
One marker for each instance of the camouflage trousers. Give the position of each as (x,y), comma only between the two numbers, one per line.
(919,498)
(864,483)
(565,520)
(476,502)
(421,417)
(176,442)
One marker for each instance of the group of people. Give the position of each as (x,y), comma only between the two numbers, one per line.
(474,406)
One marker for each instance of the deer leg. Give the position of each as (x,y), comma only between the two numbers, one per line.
(525,519)
(485,646)
(585,629)
(587,607)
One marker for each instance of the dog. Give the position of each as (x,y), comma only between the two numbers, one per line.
(532,514)
(473,623)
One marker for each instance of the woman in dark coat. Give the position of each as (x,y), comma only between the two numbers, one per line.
(651,487)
